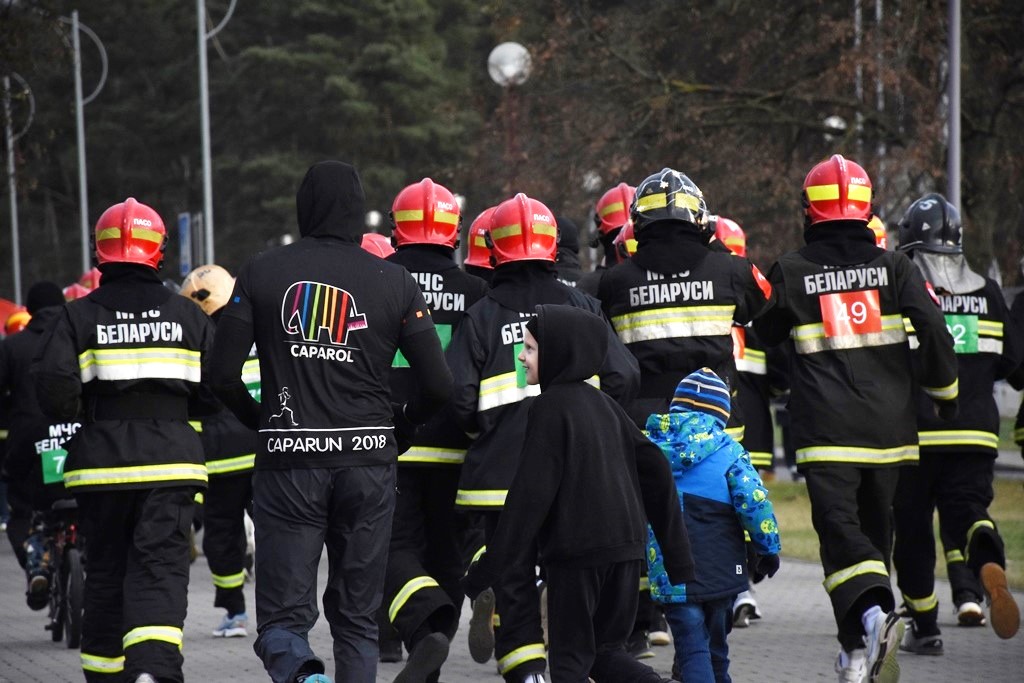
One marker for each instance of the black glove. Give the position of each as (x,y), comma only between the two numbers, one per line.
(764,566)
(405,429)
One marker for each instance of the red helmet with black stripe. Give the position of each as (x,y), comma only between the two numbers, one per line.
(523,229)
(837,190)
(479,253)
(426,213)
(130,232)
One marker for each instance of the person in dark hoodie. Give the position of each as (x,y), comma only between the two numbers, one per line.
(327,318)
(423,599)
(491,399)
(128,356)
(842,301)
(567,259)
(34,462)
(582,452)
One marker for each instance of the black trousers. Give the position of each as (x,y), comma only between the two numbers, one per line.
(421,588)
(963,583)
(225,503)
(518,638)
(851,509)
(959,485)
(297,512)
(590,615)
(136,585)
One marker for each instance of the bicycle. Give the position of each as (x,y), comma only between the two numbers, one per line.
(67,572)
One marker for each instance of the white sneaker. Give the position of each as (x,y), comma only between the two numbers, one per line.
(970,614)
(659,634)
(232,627)
(744,609)
(145,678)
(884,632)
(852,667)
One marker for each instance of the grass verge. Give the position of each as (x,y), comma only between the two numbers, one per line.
(793,510)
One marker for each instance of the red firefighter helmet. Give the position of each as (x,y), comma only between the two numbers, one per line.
(377,244)
(625,243)
(426,213)
(522,229)
(877,226)
(729,233)
(479,253)
(130,232)
(75,291)
(17,321)
(90,279)
(837,190)
(612,209)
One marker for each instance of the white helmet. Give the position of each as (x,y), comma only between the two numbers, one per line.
(209,286)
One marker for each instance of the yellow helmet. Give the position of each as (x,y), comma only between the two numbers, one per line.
(209,286)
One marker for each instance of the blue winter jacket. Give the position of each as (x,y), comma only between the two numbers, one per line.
(722,496)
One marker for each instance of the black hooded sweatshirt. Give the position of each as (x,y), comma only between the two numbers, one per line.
(327,318)
(589,480)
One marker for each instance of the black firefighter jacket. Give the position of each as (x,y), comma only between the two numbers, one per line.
(449,293)
(128,358)
(842,301)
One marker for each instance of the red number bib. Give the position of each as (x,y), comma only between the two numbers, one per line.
(847,313)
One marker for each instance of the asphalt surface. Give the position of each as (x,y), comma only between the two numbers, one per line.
(794,641)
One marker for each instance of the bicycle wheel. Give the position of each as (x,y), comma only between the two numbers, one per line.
(56,611)
(57,608)
(74,597)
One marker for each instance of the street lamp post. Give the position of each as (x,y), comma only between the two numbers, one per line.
(835,127)
(509,65)
(953,155)
(204,116)
(10,136)
(80,102)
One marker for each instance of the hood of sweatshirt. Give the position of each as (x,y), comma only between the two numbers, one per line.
(330,202)
(686,438)
(571,344)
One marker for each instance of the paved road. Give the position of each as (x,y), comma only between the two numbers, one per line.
(794,641)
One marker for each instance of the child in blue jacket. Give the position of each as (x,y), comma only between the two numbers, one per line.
(722,496)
